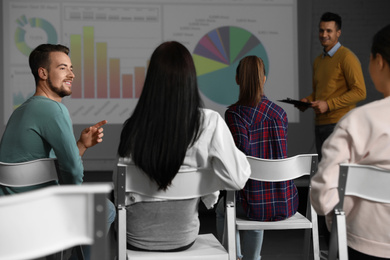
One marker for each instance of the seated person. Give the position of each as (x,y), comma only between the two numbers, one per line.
(259,129)
(363,137)
(41,127)
(169,130)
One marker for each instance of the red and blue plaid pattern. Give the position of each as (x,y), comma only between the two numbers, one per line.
(261,132)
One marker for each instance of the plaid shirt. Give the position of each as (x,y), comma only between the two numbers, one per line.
(261,132)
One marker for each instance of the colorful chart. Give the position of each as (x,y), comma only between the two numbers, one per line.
(216,57)
(40,23)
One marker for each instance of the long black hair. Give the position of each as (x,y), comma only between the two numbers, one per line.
(167,118)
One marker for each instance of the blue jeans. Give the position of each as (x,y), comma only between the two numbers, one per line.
(249,242)
(111,214)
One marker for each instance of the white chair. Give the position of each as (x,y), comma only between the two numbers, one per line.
(275,171)
(29,173)
(363,181)
(45,221)
(185,185)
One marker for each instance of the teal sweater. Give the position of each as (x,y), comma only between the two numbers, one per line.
(41,128)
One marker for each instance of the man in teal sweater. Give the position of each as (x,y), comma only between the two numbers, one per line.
(41,127)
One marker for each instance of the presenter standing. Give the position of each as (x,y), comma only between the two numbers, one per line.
(363,137)
(338,82)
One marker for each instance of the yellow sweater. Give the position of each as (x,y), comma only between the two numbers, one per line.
(339,81)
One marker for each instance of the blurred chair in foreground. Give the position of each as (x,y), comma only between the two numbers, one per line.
(363,181)
(48,220)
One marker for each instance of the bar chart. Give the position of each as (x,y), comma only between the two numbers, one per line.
(110,48)
(101,76)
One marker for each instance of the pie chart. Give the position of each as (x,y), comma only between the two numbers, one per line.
(216,57)
(25,26)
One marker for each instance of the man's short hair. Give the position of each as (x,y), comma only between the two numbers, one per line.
(329,17)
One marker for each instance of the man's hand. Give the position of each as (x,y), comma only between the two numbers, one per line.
(302,108)
(320,106)
(91,136)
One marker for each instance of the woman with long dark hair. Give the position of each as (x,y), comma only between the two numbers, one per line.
(169,130)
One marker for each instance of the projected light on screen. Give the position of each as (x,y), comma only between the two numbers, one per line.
(111,43)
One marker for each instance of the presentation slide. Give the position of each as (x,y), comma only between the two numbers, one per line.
(111,43)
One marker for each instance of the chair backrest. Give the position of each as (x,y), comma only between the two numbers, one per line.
(48,220)
(276,170)
(188,183)
(273,170)
(364,181)
(29,173)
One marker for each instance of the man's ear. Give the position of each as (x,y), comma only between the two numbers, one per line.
(380,61)
(338,33)
(42,72)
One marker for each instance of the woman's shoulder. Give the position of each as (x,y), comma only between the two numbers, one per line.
(372,111)
(209,114)
(211,119)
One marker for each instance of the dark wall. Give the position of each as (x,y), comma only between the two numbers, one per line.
(361,20)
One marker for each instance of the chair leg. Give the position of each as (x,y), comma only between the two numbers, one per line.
(306,244)
(313,233)
(121,230)
(315,236)
(342,237)
(229,234)
(333,243)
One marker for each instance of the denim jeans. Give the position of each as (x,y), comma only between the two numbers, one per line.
(249,242)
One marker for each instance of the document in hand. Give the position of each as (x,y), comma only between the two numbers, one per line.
(295,102)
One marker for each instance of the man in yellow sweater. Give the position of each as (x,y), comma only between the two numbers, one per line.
(338,82)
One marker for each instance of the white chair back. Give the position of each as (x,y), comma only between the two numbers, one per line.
(282,169)
(29,173)
(275,171)
(363,181)
(48,220)
(190,183)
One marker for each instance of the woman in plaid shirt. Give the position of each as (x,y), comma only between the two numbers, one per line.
(259,129)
